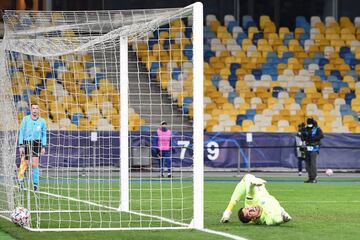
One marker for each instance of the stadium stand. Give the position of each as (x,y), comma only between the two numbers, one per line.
(268,79)
(70,93)
(257,77)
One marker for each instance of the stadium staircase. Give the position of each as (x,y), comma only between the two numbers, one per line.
(146,98)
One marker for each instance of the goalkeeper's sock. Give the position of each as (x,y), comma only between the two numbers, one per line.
(35,175)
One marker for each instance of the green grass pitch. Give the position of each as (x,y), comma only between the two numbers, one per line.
(327,210)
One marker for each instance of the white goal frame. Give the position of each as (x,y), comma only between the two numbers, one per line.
(198,141)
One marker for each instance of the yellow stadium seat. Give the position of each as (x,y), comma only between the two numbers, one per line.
(236,128)
(290,129)
(298,32)
(283,31)
(271,128)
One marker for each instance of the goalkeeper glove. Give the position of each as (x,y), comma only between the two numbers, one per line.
(226,216)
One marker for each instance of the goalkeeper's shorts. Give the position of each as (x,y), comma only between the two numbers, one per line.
(32,149)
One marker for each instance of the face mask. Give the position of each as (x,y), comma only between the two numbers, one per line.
(163,129)
(309,125)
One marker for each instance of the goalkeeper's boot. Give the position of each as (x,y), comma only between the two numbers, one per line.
(36,188)
(285,216)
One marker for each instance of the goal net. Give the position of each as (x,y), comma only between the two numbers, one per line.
(121,94)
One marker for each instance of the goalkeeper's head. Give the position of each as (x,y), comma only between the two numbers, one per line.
(249,213)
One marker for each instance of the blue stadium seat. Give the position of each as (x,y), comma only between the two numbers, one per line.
(317,56)
(154,68)
(344,51)
(208,55)
(175,72)
(250,113)
(51,75)
(274,75)
(336,73)
(321,74)
(232,96)
(152,41)
(287,55)
(349,96)
(98,77)
(303,37)
(288,37)
(188,51)
(231,25)
(250,24)
(299,96)
(24,110)
(75,118)
(215,79)
(58,63)
(164,27)
(354,62)
(353,73)
(349,58)
(39,88)
(322,62)
(232,80)
(17,98)
(257,36)
(332,78)
(89,65)
(337,85)
(299,21)
(188,32)
(25,95)
(307,62)
(234,67)
(240,37)
(257,73)
(145,128)
(88,86)
(276,91)
(167,43)
(240,118)
(186,104)
(345,109)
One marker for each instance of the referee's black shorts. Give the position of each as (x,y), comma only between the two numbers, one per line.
(32,149)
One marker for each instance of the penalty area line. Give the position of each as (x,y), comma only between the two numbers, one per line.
(224,234)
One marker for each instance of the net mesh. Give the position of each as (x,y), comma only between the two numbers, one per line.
(69,64)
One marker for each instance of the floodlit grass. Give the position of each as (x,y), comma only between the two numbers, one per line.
(327,210)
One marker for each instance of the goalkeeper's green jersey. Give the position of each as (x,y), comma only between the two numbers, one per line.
(257,195)
(271,209)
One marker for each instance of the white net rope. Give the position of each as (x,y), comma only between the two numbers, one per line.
(8,125)
(69,64)
(34,33)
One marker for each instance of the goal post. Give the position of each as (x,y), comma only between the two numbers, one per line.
(124,128)
(198,116)
(111,87)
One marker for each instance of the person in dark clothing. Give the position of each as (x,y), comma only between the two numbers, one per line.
(300,148)
(312,136)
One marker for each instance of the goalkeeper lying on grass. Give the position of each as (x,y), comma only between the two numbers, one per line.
(260,206)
